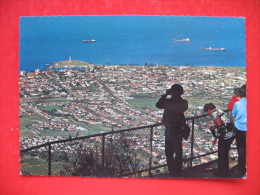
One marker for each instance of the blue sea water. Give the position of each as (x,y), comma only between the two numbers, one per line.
(132,40)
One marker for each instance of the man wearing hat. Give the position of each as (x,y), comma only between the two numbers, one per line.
(173,119)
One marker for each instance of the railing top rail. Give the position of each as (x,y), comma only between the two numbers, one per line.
(89,136)
(106,133)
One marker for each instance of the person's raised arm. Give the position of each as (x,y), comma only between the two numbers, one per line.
(160,103)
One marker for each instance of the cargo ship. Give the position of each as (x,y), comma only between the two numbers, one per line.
(89,41)
(182,40)
(215,49)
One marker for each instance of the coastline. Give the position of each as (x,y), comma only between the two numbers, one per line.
(70,64)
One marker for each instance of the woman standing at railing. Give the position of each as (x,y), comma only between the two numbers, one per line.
(240,113)
(173,119)
(224,139)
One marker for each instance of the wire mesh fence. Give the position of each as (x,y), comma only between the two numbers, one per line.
(137,152)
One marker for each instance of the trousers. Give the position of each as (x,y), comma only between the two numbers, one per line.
(173,150)
(223,155)
(241,149)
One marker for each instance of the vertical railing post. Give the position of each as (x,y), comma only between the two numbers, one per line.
(192,142)
(49,162)
(151,151)
(103,153)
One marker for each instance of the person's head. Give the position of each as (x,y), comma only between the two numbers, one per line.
(209,108)
(176,89)
(241,92)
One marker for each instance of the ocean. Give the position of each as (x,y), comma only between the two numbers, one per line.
(135,40)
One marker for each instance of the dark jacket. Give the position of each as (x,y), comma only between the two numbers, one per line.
(174,109)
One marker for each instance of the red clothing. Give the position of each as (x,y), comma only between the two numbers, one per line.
(231,102)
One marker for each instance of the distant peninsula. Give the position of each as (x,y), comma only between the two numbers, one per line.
(70,64)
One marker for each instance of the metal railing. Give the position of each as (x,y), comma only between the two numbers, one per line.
(135,152)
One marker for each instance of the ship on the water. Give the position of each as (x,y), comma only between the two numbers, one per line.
(89,41)
(182,40)
(215,49)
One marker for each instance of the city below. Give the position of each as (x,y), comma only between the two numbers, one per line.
(73,98)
